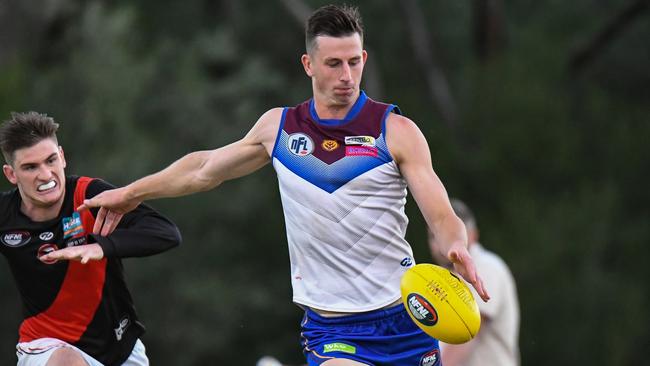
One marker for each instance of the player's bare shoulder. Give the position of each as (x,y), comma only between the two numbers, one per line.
(266,128)
(403,136)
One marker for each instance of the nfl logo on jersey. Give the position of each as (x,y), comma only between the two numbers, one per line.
(300,144)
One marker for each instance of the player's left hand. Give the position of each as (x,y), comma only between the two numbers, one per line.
(464,265)
(82,253)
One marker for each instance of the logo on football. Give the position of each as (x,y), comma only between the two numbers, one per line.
(422,310)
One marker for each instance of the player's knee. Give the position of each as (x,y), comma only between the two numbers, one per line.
(66,357)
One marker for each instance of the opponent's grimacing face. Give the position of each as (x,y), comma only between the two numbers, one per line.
(39,173)
(335,65)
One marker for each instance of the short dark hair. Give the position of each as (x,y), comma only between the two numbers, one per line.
(25,130)
(332,21)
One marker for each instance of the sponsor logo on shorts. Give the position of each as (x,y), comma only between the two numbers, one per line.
(46,235)
(339,347)
(406,262)
(329,145)
(16,238)
(361,151)
(300,144)
(430,358)
(422,310)
(121,327)
(72,225)
(46,249)
(360,140)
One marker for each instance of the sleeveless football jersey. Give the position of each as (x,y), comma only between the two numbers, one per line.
(343,199)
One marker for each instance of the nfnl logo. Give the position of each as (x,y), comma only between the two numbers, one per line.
(430,358)
(16,238)
(300,144)
(422,310)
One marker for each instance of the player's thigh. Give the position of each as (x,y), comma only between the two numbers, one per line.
(342,362)
(65,356)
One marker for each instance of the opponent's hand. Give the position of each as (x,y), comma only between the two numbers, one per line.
(82,253)
(464,265)
(113,204)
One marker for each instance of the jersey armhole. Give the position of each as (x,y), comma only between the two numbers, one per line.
(280,128)
(392,108)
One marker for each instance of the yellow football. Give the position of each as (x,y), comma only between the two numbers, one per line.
(440,303)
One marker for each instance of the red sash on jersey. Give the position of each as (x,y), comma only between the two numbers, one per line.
(81,292)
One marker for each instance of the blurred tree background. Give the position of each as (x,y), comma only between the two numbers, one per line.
(537,115)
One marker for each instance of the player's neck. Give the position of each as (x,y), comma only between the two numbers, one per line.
(328,108)
(41,213)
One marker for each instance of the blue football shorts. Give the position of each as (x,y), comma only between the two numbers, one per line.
(384,337)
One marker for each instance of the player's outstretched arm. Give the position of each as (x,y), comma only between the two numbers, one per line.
(195,172)
(411,152)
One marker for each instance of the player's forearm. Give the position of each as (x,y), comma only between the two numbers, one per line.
(449,231)
(181,178)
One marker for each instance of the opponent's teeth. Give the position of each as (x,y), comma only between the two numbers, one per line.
(46,186)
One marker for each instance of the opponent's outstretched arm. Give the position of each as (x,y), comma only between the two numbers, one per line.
(195,172)
(411,153)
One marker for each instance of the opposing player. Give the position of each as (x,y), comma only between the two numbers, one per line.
(343,163)
(77,308)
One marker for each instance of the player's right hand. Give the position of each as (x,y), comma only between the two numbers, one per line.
(113,204)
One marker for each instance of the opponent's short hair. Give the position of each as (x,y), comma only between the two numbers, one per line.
(332,21)
(464,213)
(25,130)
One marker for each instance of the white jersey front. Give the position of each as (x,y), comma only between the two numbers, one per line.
(343,199)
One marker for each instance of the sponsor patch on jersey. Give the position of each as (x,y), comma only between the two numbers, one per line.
(300,144)
(360,140)
(46,249)
(72,225)
(329,145)
(121,327)
(339,347)
(406,262)
(430,358)
(16,238)
(46,235)
(421,309)
(361,151)
(73,242)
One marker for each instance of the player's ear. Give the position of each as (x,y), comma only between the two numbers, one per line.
(9,173)
(62,156)
(306,63)
(364,55)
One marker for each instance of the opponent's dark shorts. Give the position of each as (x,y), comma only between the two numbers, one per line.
(384,337)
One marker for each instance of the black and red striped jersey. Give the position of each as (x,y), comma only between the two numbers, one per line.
(87,305)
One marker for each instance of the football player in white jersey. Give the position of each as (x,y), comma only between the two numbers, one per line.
(308,151)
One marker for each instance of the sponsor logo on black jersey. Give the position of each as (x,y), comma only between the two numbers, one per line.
(16,238)
(73,242)
(46,249)
(121,327)
(300,144)
(72,225)
(421,309)
(430,358)
(46,235)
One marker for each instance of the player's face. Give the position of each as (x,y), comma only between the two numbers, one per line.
(336,66)
(38,172)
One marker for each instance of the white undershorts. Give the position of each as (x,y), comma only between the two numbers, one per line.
(39,351)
